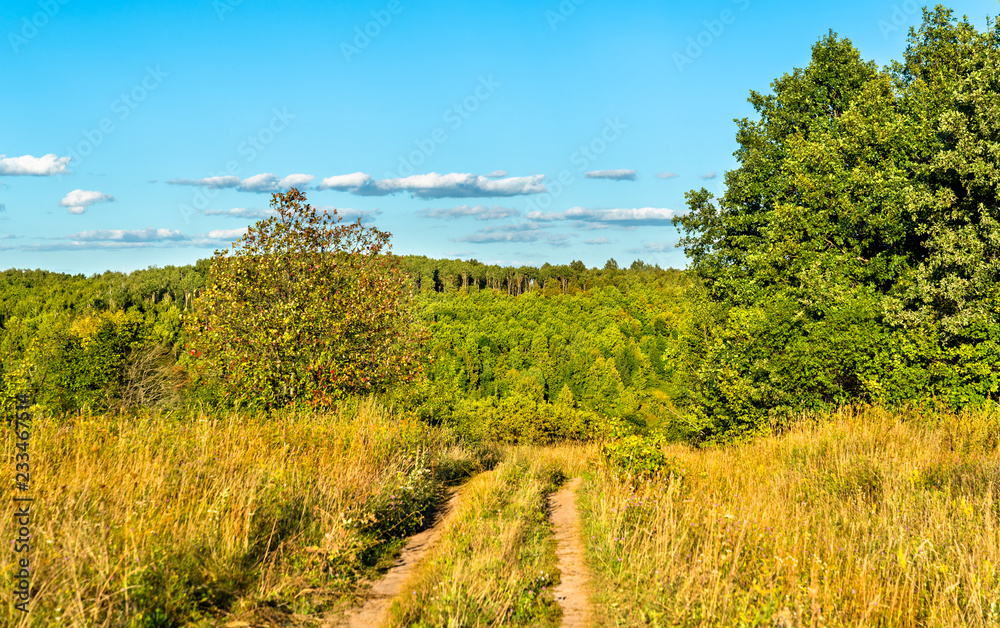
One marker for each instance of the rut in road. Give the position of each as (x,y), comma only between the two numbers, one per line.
(573,591)
(375,609)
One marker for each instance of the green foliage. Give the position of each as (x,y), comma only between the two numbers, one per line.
(544,366)
(641,458)
(854,251)
(305,309)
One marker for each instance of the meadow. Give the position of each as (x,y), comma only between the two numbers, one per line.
(863,517)
(166,520)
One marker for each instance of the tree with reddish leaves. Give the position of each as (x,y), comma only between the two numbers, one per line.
(306,308)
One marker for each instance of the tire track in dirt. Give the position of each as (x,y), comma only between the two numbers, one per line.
(375,609)
(573,591)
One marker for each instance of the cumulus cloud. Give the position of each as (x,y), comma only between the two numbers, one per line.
(242,212)
(225,234)
(523,232)
(346,182)
(264,182)
(479,212)
(497,174)
(350,214)
(269,182)
(709,175)
(209,182)
(123,235)
(667,175)
(615,175)
(598,241)
(27,165)
(520,232)
(434,185)
(78,201)
(622,217)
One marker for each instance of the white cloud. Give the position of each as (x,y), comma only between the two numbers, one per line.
(709,175)
(242,212)
(520,232)
(497,174)
(27,165)
(350,215)
(623,217)
(269,182)
(245,212)
(616,175)
(228,181)
(226,234)
(598,241)
(434,185)
(480,212)
(264,182)
(78,201)
(523,232)
(122,235)
(346,182)
(296,181)
(658,247)
(667,175)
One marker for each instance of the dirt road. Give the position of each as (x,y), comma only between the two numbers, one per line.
(573,593)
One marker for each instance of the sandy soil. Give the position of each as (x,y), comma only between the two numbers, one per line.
(374,611)
(573,590)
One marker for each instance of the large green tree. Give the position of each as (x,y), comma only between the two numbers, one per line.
(855,249)
(306,308)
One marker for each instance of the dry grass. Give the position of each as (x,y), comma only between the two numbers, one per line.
(158,521)
(495,564)
(863,518)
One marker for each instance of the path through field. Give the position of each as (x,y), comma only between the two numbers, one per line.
(375,609)
(572,593)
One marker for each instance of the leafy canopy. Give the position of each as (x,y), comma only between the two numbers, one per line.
(305,308)
(856,249)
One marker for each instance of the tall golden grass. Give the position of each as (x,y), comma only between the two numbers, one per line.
(160,520)
(862,518)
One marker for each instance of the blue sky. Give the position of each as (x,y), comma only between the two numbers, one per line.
(149,133)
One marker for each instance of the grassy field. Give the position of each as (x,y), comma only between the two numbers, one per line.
(162,521)
(862,518)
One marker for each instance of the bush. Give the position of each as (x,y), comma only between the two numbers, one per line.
(641,457)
